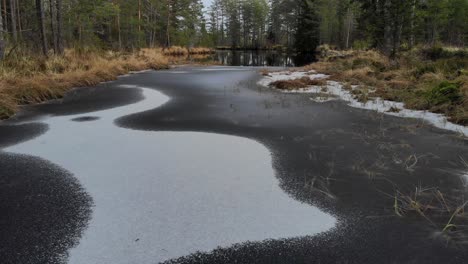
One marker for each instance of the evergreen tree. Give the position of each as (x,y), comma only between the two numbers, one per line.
(308,32)
(389,25)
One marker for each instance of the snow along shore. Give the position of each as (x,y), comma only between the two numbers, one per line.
(335,91)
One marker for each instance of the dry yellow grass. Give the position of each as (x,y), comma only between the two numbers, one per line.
(201,51)
(181,51)
(175,51)
(298,83)
(28,80)
(321,66)
(355,76)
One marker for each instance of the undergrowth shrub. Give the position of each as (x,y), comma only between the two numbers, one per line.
(298,83)
(445,92)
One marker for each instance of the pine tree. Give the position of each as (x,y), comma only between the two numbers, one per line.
(307,33)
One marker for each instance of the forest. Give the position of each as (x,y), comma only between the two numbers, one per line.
(45,26)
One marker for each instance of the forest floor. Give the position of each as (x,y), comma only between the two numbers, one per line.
(434,80)
(28,79)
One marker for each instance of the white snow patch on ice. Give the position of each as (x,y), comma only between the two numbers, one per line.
(286,75)
(376,104)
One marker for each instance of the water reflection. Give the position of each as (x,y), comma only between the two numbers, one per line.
(261,58)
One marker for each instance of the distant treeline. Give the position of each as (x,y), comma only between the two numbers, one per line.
(45,25)
(390,25)
(303,24)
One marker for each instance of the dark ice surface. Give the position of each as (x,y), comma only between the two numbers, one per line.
(204,159)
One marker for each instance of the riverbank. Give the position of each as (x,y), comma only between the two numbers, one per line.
(432,79)
(31,79)
(431,84)
(321,90)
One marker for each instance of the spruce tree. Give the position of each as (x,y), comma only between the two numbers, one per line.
(307,32)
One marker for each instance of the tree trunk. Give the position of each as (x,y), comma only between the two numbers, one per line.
(117,23)
(245,34)
(139,16)
(139,24)
(2,41)
(118,31)
(433,33)
(18,18)
(168,26)
(5,22)
(387,19)
(52,25)
(412,18)
(397,36)
(13,20)
(222,26)
(349,21)
(60,42)
(41,23)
